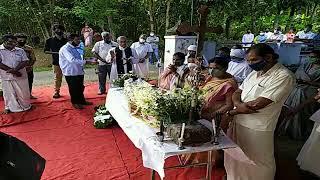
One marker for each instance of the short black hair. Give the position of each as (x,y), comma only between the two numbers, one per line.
(71,36)
(225,49)
(263,49)
(180,55)
(58,26)
(221,61)
(6,37)
(21,35)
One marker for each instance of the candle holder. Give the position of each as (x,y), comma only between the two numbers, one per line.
(181,139)
(160,134)
(216,128)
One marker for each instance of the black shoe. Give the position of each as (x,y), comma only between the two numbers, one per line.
(77,106)
(56,95)
(87,103)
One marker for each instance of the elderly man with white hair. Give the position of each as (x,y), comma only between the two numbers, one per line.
(238,67)
(122,58)
(101,50)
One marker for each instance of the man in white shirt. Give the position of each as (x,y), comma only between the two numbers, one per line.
(143,50)
(258,103)
(277,36)
(101,50)
(192,51)
(238,67)
(154,41)
(122,58)
(268,33)
(248,39)
(305,35)
(72,65)
(14,77)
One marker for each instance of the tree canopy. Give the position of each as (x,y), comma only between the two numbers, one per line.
(133,17)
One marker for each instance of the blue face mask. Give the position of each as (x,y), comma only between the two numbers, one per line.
(259,65)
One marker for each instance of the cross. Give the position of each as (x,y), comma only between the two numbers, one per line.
(201,29)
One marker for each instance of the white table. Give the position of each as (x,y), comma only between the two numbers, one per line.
(144,137)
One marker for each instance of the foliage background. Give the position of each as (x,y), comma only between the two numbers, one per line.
(133,17)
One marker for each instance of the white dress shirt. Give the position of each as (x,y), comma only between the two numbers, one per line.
(70,61)
(12,59)
(103,49)
(275,85)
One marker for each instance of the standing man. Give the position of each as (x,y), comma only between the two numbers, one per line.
(258,103)
(13,62)
(248,39)
(53,46)
(87,33)
(22,40)
(154,41)
(143,50)
(122,58)
(72,66)
(101,49)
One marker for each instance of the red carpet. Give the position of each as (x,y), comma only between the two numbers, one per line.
(74,149)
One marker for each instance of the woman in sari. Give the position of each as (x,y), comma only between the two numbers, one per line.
(217,92)
(218,89)
(308,81)
(87,33)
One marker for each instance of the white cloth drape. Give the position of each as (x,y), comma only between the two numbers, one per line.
(16,95)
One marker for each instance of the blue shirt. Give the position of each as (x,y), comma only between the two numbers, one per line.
(70,61)
(80,48)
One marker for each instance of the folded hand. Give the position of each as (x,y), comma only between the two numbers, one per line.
(244,108)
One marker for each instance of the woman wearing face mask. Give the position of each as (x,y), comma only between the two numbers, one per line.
(308,81)
(217,92)
(218,89)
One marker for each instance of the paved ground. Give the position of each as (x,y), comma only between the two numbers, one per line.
(45,78)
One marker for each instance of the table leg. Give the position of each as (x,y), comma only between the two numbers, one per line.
(209,166)
(153,174)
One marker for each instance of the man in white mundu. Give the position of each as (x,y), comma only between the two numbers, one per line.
(258,103)
(143,50)
(122,58)
(14,77)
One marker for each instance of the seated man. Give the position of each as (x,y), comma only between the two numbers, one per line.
(174,75)
(192,51)
(238,67)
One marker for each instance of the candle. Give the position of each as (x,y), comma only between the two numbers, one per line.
(214,127)
(182,130)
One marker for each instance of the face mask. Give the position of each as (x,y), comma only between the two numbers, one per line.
(237,60)
(259,65)
(261,34)
(151,34)
(21,44)
(74,44)
(142,40)
(192,65)
(215,72)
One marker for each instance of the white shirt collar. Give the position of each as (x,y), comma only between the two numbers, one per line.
(2,48)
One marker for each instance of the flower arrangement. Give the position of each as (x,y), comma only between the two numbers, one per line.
(102,118)
(169,107)
(120,81)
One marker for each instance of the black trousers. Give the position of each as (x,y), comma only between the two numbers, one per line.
(76,88)
(30,80)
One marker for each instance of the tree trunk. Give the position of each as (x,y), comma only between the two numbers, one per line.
(151,15)
(253,16)
(228,26)
(313,13)
(110,26)
(291,14)
(168,15)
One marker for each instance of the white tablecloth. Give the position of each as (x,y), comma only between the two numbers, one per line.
(143,136)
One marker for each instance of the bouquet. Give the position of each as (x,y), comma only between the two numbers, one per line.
(102,118)
(120,81)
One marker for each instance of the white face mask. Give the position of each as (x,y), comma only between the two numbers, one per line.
(261,34)
(142,40)
(192,66)
(151,34)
